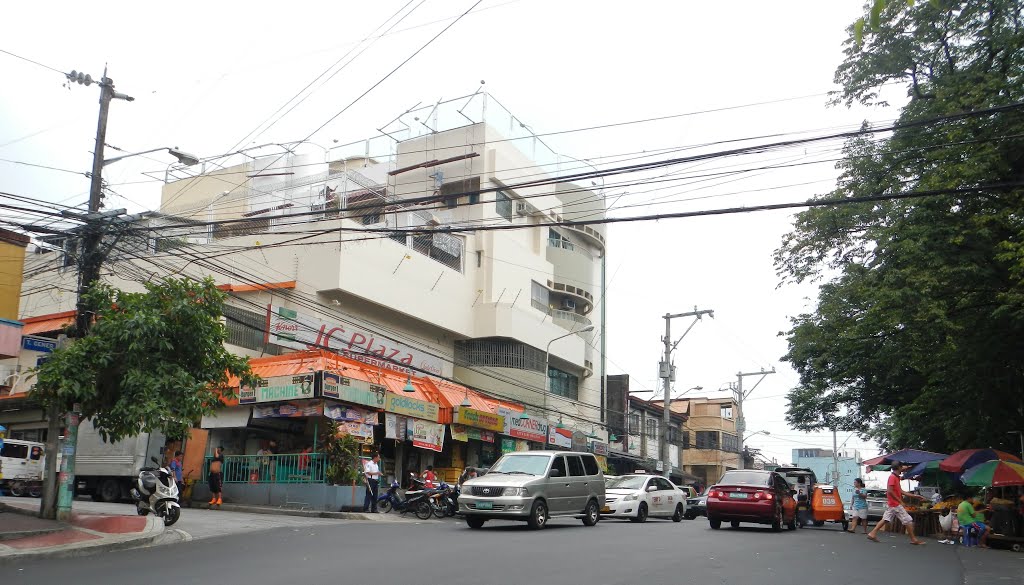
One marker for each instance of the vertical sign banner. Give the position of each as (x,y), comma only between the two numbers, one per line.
(289,328)
(391,426)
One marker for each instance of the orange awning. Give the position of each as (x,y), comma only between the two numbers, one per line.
(47,323)
(453,394)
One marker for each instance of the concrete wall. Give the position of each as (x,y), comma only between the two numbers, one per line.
(12,261)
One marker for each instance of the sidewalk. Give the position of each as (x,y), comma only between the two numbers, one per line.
(23,535)
(380,517)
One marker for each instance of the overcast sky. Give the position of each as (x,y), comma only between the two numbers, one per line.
(205,74)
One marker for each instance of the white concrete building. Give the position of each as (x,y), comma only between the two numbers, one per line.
(317,249)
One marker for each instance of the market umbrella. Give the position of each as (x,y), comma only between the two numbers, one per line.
(921,469)
(910,456)
(968,458)
(994,473)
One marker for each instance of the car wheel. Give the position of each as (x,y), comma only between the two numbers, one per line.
(690,516)
(715,524)
(109,490)
(791,525)
(538,515)
(846,525)
(423,510)
(678,516)
(475,522)
(777,520)
(641,513)
(735,524)
(173,513)
(385,505)
(591,514)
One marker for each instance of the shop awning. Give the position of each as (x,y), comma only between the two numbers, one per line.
(454,394)
(47,323)
(232,417)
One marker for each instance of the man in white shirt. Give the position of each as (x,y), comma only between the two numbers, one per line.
(371,474)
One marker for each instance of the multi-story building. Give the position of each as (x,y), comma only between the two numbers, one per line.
(427,249)
(823,464)
(711,442)
(12,260)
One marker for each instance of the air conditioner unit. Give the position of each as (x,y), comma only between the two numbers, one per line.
(568,305)
(522,208)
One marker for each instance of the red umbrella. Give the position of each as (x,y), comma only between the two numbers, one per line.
(968,458)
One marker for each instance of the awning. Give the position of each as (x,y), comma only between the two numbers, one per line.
(232,417)
(47,323)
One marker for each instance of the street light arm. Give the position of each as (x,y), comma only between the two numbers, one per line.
(183,157)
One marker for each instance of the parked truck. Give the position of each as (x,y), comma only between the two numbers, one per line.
(106,470)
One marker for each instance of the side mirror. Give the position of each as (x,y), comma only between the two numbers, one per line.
(154,460)
(556,473)
(652,488)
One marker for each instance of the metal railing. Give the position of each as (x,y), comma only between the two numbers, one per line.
(287,468)
(560,314)
(567,245)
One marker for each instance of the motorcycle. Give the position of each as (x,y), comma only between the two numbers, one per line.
(445,501)
(416,501)
(155,492)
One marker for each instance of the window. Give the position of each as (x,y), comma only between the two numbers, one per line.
(662,484)
(246,329)
(14,450)
(540,296)
(503,205)
(559,464)
(498,353)
(707,439)
(673,435)
(727,412)
(730,443)
(634,423)
(563,383)
(452,191)
(652,428)
(590,465)
(575,465)
(445,248)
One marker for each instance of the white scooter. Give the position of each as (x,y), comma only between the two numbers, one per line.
(156,492)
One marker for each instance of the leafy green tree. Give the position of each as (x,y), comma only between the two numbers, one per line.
(918,336)
(152,360)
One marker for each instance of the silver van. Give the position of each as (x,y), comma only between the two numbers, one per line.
(535,486)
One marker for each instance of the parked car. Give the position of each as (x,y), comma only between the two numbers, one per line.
(697,506)
(748,495)
(688,491)
(535,486)
(639,496)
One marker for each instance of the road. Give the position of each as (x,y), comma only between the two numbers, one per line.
(566,553)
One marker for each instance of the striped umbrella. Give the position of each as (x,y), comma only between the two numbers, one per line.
(968,458)
(994,473)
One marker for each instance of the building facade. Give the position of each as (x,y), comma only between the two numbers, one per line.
(711,437)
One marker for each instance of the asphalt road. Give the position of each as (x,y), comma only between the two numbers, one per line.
(566,553)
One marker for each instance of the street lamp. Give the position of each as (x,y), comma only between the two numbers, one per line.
(547,361)
(754,434)
(183,157)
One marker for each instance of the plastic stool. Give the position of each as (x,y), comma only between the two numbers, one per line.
(970,537)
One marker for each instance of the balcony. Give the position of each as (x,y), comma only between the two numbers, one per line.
(567,319)
(584,299)
(567,245)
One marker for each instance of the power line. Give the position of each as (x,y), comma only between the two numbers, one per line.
(44,66)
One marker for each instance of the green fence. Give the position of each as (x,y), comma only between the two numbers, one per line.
(286,468)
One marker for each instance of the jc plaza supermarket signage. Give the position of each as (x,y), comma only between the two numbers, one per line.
(289,328)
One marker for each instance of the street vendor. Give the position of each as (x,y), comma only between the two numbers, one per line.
(971,514)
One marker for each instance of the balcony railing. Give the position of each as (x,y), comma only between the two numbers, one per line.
(567,245)
(287,468)
(560,314)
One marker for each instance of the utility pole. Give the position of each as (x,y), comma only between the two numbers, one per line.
(667,373)
(835,459)
(741,422)
(91,258)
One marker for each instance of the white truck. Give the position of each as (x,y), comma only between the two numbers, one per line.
(106,470)
(21,467)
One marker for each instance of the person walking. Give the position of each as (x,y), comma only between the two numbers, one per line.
(860,506)
(217,476)
(894,506)
(371,474)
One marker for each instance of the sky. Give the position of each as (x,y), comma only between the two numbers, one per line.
(205,75)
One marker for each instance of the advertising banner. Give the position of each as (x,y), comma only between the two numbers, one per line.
(480,419)
(356,429)
(460,433)
(351,390)
(481,434)
(346,413)
(599,448)
(508,445)
(289,328)
(391,426)
(277,389)
(560,437)
(410,406)
(427,435)
(288,410)
(531,429)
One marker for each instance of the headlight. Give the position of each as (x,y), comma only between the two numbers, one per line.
(631,498)
(515,491)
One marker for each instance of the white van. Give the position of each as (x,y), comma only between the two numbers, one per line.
(21,467)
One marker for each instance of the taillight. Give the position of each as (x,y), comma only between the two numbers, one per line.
(763,495)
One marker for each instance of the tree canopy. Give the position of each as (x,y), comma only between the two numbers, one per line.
(916,340)
(152,360)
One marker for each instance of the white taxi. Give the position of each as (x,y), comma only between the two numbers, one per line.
(639,497)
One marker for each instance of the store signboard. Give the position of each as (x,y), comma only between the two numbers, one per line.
(277,389)
(427,435)
(342,412)
(480,419)
(460,433)
(413,407)
(351,390)
(531,429)
(560,437)
(289,328)
(481,434)
(508,445)
(288,410)
(599,448)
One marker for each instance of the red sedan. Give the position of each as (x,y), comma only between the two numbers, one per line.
(749,495)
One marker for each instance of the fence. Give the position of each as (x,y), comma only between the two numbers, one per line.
(257,469)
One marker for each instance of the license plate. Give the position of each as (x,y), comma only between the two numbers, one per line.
(738,495)
(828,501)
(485,505)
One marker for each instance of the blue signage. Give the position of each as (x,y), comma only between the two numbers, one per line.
(36,344)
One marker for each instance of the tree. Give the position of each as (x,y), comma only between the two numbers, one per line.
(151,361)
(920,318)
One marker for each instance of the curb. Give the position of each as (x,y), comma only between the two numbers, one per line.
(154,529)
(26,533)
(310,513)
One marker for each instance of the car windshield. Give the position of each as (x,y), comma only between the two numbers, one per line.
(735,477)
(531,464)
(625,482)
